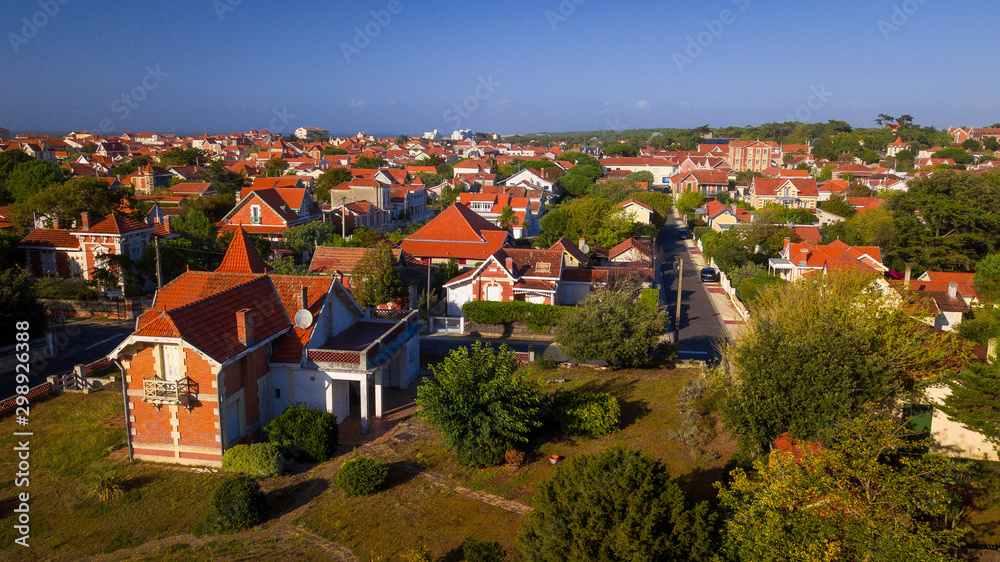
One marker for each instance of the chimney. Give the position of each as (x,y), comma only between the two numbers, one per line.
(85,220)
(582,243)
(304,297)
(953,290)
(244,326)
(166,222)
(56,223)
(510,263)
(906,277)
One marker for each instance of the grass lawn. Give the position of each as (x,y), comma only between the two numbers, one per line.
(72,434)
(649,413)
(409,512)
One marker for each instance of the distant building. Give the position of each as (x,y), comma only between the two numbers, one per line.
(4,133)
(306,133)
(461,134)
(432,135)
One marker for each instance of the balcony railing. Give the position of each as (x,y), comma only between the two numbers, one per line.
(159,391)
(362,360)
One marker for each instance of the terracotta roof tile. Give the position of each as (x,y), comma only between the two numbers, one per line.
(242,256)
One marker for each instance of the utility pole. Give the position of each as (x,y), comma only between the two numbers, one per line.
(428,292)
(680,279)
(159,278)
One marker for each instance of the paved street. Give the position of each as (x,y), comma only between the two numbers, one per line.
(701,326)
(76,341)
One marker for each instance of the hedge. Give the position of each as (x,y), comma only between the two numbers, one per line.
(257,459)
(700,231)
(586,414)
(750,289)
(538,317)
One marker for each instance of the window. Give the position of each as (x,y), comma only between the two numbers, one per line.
(49,263)
(254,214)
(172,368)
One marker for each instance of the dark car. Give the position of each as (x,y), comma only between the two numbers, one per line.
(683,234)
(709,274)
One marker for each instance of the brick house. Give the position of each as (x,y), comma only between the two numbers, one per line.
(271,211)
(752,155)
(799,259)
(510,274)
(222,353)
(73,254)
(707,182)
(802,193)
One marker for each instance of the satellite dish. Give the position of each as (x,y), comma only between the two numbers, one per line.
(303,318)
(585,248)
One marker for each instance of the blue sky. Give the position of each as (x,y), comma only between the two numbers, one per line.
(508,67)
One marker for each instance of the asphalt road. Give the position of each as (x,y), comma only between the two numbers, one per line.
(76,341)
(700,326)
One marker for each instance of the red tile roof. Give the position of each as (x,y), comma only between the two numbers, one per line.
(50,238)
(117,224)
(457,232)
(241,256)
(288,348)
(567,245)
(630,243)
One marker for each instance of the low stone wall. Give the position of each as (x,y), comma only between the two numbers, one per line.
(126,309)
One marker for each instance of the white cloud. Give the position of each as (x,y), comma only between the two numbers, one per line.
(503,103)
(358,103)
(642,104)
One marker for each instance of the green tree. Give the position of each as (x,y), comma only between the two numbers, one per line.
(689,201)
(328,180)
(838,205)
(307,236)
(184,157)
(990,143)
(9,159)
(957,154)
(643,176)
(274,167)
(507,218)
(975,400)
(617,504)
(855,497)
(18,303)
(28,178)
(618,150)
(333,151)
(65,201)
(616,227)
(971,145)
(376,279)
(611,324)
(196,227)
(480,402)
(369,163)
(987,278)
(821,348)
(285,265)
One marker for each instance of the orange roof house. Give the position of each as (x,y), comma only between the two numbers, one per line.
(458,233)
(222,353)
(803,258)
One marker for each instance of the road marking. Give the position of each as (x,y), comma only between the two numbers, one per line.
(694,352)
(93,345)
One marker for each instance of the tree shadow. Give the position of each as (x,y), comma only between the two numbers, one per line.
(453,555)
(698,484)
(400,472)
(286,500)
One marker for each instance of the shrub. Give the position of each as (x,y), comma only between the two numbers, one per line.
(750,289)
(546,362)
(586,414)
(314,431)
(514,457)
(418,553)
(700,231)
(106,483)
(361,476)
(257,459)
(236,504)
(650,298)
(616,505)
(483,551)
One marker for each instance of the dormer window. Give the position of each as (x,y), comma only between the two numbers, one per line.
(254,214)
(542,267)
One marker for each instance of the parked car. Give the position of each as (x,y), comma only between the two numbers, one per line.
(684,234)
(709,275)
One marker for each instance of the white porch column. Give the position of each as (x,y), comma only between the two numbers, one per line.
(378,392)
(364,404)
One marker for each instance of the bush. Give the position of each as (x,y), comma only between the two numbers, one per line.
(257,459)
(650,298)
(586,414)
(106,483)
(538,317)
(546,362)
(750,289)
(314,431)
(483,551)
(236,504)
(700,231)
(418,553)
(361,476)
